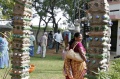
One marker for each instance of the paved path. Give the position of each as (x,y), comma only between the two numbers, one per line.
(112,55)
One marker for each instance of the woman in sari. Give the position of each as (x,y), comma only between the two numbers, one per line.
(75,69)
(4,56)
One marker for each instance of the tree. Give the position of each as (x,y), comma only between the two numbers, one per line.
(73,8)
(40,7)
(46,9)
(7,8)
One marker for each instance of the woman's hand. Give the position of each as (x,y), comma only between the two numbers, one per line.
(71,77)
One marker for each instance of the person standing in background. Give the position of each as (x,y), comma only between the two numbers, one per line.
(50,40)
(43,43)
(58,39)
(67,37)
(4,55)
(32,42)
(66,40)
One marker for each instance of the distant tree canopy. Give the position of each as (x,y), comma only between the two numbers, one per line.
(6,8)
(72,9)
(43,7)
(46,9)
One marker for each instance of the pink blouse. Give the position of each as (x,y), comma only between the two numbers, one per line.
(79,45)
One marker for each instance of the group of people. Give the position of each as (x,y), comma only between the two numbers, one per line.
(72,69)
(49,40)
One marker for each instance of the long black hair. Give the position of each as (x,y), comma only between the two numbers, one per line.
(77,34)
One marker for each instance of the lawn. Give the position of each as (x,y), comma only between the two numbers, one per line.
(45,68)
(51,67)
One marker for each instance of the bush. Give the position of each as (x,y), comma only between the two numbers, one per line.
(114,72)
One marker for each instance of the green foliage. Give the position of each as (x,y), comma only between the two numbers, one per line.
(90,77)
(114,72)
(99,75)
(103,75)
(7,8)
(73,7)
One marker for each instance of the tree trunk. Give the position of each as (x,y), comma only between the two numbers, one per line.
(46,26)
(56,27)
(38,32)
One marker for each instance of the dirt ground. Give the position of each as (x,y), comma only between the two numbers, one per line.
(52,51)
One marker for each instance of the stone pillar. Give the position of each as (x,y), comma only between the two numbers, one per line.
(21,23)
(99,40)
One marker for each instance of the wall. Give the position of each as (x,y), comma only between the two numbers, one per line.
(115,9)
(118,39)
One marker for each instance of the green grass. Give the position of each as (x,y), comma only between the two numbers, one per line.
(51,67)
(114,72)
(45,68)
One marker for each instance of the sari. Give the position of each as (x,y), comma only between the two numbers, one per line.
(4,55)
(75,69)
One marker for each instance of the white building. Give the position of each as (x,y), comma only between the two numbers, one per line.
(5,25)
(115,29)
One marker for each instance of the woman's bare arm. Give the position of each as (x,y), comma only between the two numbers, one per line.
(82,54)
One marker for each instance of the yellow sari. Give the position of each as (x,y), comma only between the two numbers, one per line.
(74,69)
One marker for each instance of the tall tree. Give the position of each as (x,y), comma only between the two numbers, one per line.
(47,9)
(40,7)
(73,9)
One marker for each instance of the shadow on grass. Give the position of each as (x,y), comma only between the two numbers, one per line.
(48,57)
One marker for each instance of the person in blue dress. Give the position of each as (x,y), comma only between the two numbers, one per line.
(4,55)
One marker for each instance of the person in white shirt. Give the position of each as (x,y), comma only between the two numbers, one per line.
(58,39)
(43,43)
